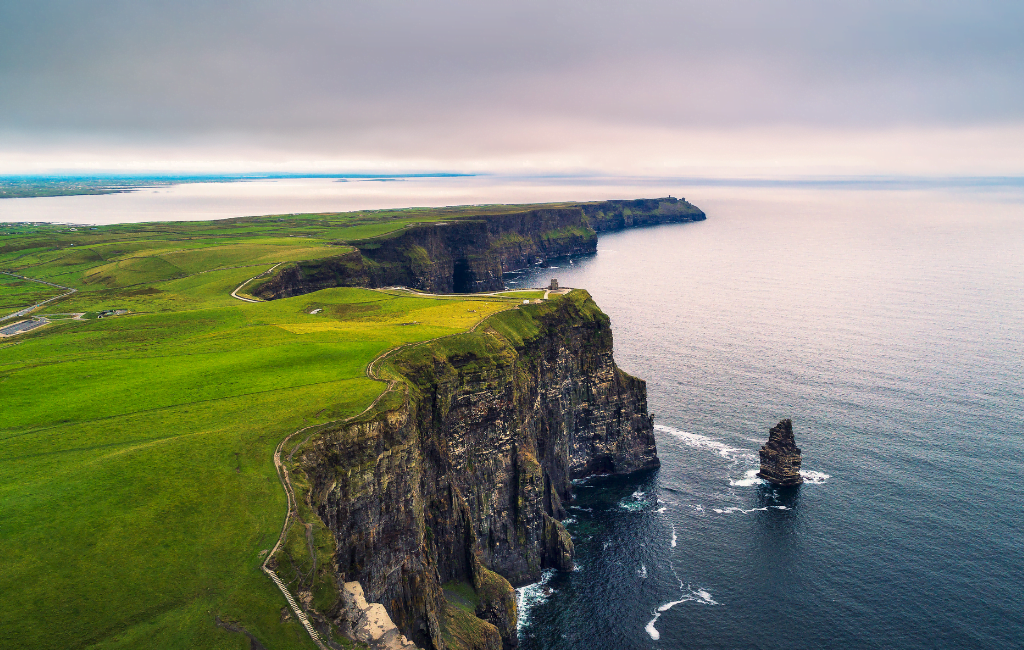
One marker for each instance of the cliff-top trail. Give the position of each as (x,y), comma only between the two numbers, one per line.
(143,424)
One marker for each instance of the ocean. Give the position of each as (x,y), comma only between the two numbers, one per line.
(889,325)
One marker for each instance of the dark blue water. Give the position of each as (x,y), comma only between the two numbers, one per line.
(890,327)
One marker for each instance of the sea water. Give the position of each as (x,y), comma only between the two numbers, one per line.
(889,325)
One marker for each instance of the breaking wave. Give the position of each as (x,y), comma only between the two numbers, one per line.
(701,596)
(732,510)
(704,442)
(814,477)
(749,478)
(530,596)
(634,502)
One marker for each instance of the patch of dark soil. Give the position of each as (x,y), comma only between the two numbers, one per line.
(254,643)
(351,311)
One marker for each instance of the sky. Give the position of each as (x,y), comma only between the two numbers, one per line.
(722,88)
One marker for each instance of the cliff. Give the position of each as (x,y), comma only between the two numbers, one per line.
(470,253)
(616,215)
(459,485)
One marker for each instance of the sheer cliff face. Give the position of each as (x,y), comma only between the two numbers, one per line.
(469,475)
(616,215)
(459,256)
(470,254)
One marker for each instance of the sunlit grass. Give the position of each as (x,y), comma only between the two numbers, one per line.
(139,489)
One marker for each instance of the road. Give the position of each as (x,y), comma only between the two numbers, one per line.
(29,310)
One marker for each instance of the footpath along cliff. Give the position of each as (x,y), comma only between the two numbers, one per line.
(457,484)
(470,253)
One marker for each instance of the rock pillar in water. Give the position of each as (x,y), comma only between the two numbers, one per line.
(780,457)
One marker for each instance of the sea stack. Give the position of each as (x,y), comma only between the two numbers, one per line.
(780,457)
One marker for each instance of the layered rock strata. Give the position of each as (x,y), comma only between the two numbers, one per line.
(464,480)
(470,254)
(780,457)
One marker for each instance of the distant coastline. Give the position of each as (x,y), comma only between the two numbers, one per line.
(38,186)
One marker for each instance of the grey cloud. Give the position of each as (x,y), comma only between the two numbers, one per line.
(343,72)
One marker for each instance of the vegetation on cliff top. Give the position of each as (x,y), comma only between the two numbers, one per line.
(139,494)
(139,489)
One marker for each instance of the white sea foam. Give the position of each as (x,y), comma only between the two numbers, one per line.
(634,502)
(691,595)
(674,538)
(653,631)
(568,521)
(814,477)
(704,442)
(530,596)
(661,509)
(642,571)
(749,478)
(729,511)
(581,509)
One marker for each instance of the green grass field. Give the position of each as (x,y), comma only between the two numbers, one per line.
(138,489)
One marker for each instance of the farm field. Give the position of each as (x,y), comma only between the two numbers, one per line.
(139,494)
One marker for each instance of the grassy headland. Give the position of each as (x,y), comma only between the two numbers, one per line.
(139,496)
(139,492)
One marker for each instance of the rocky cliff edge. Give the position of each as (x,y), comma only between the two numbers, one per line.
(460,483)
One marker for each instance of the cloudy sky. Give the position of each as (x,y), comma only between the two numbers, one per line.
(716,88)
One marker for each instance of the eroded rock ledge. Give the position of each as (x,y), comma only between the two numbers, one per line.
(463,482)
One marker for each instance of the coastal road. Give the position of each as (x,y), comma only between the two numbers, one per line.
(29,310)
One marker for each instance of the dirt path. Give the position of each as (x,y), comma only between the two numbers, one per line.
(234,294)
(282,471)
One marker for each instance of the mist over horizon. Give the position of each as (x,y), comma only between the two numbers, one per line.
(729,89)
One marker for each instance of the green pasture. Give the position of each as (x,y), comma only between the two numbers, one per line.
(138,489)
(16,293)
